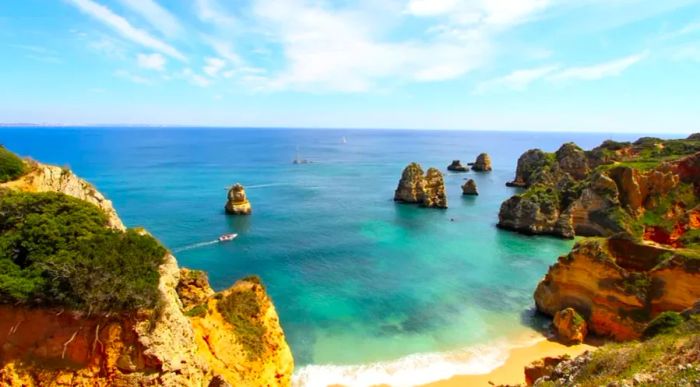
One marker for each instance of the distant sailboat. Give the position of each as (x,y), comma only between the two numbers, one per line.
(298,160)
(344,140)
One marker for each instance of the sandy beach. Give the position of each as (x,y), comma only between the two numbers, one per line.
(512,372)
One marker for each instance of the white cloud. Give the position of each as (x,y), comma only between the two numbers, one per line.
(517,80)
(480,12)
(153,61)
(194,78)
(124,28)
(598,71)
(158,16)
(210,11)
(430,7)
(123,74)
(214,66)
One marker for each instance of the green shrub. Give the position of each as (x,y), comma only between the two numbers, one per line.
(197,311)
(242,310)
(11,166)
(664,323)
(56,250)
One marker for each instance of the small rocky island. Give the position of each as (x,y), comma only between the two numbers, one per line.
(457,166)
(469,188)
(237,203)
(482,163)
(428,189)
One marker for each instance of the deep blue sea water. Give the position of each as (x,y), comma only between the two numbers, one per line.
(356,278)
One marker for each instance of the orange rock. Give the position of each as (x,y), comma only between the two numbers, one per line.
(571,328)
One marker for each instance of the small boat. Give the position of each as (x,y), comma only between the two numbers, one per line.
(227,237)
(344,140)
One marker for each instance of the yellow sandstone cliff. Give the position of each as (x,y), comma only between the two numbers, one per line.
(166,346)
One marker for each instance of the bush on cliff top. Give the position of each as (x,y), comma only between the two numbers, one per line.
(11,166)
(241,309)
(56,250)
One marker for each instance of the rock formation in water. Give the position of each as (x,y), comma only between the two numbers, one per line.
(482,163)
(434,190)
(469,188)
(456,166)
(237,203)
(192,337)
(427,190)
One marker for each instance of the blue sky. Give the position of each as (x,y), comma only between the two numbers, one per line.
(615,65)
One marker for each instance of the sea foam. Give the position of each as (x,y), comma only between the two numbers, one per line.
(411,370)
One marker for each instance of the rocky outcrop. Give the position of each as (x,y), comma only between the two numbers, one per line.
(482,163)
(570,327)
(469,188)
(618,285)
(50,178)
(237,203)
(541,368)
(456,166)
(427,190)
(434,190)
(411,185)
(183,341)
(536,212)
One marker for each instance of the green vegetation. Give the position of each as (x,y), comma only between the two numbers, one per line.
(197,311)
(242,310)
(664,323)
(56,250)
(660,360)
(636,284)
(542,194)
(11,166)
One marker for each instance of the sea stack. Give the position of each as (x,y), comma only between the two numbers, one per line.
(482,163)
(457,166)
(434,192)
(469,188)
(415,187)
(237,203)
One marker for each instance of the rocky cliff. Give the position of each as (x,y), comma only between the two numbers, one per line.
(237,202)
(188,339)
(645,259)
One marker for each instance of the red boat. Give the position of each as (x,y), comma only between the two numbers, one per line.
(227,237)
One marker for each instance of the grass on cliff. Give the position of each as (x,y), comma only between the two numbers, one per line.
(663,358)
(241,309)
(56,250)
(11,166)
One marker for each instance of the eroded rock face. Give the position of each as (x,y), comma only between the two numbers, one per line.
(619,285)
(482,163)
(238,203)
(193,287)
(50,178)
(530,164)
(571,328)
(411,185)
(469,188)
(572,160)
(456,166)
(541,368)
(428,190)
(434,191)
(538,213)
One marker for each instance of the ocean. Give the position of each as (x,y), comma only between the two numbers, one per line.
(368,290)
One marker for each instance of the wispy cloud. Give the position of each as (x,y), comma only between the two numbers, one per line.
(517,80)
(156,15)
(39,53)
(153,61)
(214,66)
(194,78)
(124,74)
(125,28)
(211,11)
(601,70)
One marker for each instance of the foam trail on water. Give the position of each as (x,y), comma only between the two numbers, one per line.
(195,246)
(410,370)
(266,185)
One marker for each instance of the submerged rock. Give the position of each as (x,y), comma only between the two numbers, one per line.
(482,163)
(469,188)
(427,190)
(457,166)
(571,328)
(237,203)
(434,191)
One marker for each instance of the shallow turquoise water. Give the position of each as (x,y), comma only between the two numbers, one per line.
(355,277)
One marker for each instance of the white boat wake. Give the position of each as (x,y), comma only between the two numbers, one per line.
(195,246)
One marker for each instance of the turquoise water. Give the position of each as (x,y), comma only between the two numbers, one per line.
(356,278)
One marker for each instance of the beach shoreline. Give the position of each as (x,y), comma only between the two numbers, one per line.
(512,372)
